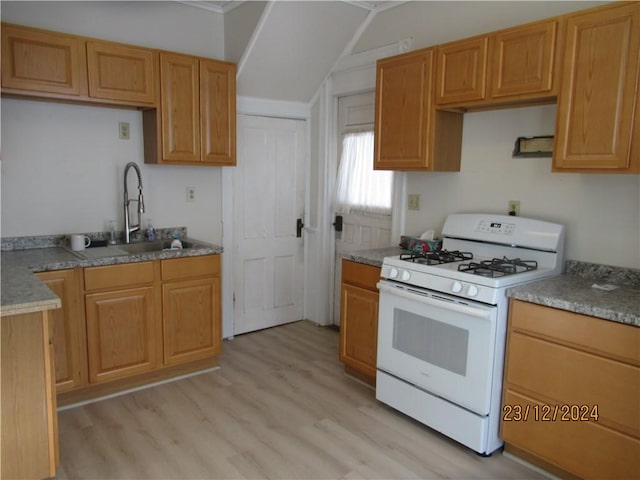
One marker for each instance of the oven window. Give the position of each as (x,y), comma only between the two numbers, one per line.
(434,342)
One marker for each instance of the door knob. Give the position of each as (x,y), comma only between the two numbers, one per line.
(338,223)
(299,227)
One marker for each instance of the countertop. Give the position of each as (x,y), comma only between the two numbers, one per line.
(372,256)
(575,293)
(23,292)
(571,291)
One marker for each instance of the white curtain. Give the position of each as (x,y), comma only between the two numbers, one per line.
(359,187)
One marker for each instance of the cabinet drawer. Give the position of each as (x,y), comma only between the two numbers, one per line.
(177,268)
(615,340)
(365,276)
(574,377)
(584,448)
(112,276)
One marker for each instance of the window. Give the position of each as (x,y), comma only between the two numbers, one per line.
(359,187)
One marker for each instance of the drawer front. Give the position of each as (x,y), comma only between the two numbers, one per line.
(177,268)
(113,276)
(584,448)
(604,337)
(574,377)
(365,276)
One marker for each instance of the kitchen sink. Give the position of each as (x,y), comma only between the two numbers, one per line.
(147,247)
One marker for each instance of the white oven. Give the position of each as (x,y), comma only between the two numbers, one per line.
(442,320)
(438,343)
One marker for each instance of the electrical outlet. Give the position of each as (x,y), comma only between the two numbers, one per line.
(123,130)
(513,208)
(413,201)
(191,194)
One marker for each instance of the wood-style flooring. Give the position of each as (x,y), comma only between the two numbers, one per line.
(279,407)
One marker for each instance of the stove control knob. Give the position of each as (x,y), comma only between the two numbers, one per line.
(406,276)
(456,287)
(473,291)
(393,273)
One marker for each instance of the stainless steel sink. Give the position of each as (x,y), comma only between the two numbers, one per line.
(147,247)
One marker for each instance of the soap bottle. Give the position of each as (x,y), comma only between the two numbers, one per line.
(151,231)
(176,244)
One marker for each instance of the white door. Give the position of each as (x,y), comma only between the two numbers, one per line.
(268,199)
(360,231)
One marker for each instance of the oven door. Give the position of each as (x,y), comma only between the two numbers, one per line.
(439,343)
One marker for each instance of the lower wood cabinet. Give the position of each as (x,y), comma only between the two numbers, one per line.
(123,321)
(572,392)
(191,309)
(28,402)
(359,319)
(67,329)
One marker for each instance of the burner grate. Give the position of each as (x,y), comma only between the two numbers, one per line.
(498,267)
(437,257)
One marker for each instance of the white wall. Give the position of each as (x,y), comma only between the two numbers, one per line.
(62,164)
(601,212)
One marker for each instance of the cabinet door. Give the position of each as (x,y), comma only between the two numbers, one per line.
(403,111)
(192,320)
(598,94)
(180,105)
(40,61)
(121,72)
(67,330)
(122,334)
(218,112)
(522,60)
(461,71)
(359,329)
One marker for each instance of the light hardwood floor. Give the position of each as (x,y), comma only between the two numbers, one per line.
(280,407)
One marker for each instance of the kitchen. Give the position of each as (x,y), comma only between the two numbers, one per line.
(587,200)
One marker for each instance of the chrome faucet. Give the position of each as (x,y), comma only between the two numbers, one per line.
(128,228)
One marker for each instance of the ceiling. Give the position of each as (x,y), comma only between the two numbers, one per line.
(223,6)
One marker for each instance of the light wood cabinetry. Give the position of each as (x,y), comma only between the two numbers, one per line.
(359,319)
(191,308)
(410,134)
(598,98)
(571,396)
(67,329)
(28,403)
(124,331)
(523,61)
(196,122)
(121,72)
(42,63)
(461,71)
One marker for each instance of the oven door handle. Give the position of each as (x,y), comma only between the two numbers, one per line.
(432,300)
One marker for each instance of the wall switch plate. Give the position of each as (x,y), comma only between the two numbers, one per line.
(123,130)
(413,202)
(191,194)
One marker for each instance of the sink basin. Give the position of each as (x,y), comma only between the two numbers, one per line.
(146,247)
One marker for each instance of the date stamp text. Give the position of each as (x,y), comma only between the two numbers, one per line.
(550,413)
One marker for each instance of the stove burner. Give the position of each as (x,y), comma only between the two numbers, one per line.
(437,257)
(498,267)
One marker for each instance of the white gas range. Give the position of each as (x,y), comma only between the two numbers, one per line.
(442,321)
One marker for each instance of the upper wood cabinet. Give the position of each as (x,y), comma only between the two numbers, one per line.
(41,62)
(196,123)
(121,72)
(461,71)
(409,133)
(598,98)
(523,60)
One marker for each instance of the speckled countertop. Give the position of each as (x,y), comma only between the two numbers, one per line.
(373,256)
(23,292)
(572,291)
